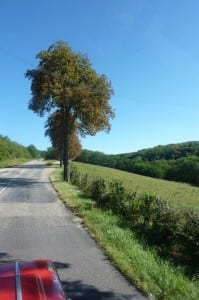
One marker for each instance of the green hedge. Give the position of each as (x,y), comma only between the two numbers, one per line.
(174,232)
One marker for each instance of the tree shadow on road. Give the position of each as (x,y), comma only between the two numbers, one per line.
(61,265)
(77,290)
(32,166)
(20,182)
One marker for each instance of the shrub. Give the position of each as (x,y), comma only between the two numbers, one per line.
(190,238)
(98,190)
(166,226)
(174,232)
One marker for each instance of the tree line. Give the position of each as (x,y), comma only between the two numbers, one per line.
(11,150)
(176,162)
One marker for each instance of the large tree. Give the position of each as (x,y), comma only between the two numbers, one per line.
(65,80)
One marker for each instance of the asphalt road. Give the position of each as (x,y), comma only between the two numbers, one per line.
(35,224)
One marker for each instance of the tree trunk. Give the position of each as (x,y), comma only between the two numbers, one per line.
(61,161)
(66,160)
(66,147)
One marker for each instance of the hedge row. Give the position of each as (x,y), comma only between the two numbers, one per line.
(174,232)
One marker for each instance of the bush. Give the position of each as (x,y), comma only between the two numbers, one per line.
(174,232)
(98,190)
(166,226)
(190,238)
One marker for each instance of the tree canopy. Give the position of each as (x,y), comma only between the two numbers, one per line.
(65,80)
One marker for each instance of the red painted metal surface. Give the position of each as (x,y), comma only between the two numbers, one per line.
(7,281)
(36,280)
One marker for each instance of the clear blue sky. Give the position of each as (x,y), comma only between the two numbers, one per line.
(149,49)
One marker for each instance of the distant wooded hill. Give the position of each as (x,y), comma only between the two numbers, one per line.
(177,162)
(11,150)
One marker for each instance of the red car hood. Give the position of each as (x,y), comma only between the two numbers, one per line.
(35,280)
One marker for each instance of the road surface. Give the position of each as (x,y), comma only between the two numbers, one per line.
(35,224)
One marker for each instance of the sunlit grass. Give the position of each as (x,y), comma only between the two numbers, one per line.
(12,162)
(179,193)
(139,264)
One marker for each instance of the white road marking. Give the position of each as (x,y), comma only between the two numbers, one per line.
(3,189)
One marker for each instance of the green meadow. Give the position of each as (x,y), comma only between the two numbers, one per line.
(181,194)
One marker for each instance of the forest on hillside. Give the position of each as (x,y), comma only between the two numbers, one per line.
(176,162)
(12,150)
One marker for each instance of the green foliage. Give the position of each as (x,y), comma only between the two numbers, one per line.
(166,227)
(34,152)
(184,170)
(174,232)
(167,152)
(11,150)
(97,190)
(115,197)
(51,153)
(176,162)
(190,237)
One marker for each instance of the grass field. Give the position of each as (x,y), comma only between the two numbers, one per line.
(178,193)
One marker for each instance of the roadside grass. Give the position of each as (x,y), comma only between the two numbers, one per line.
(137,262)
(12,162)
(51,162)
(178,193)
